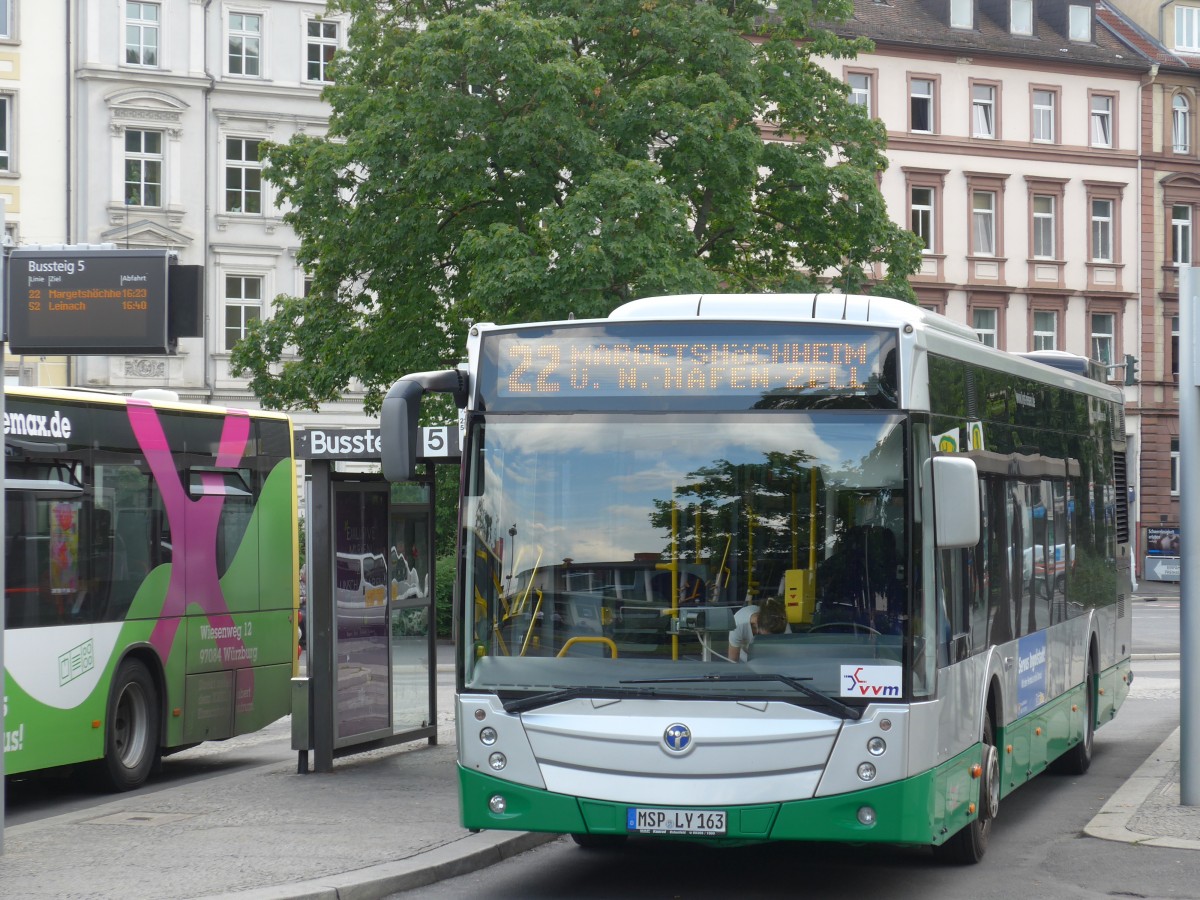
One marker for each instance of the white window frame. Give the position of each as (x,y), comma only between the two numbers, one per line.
(1045,338)
(242,303)
(1103,346)
(247,36)
(1181,234)
(860,90)
(1044,226)
(1102,120)
(921,95)
(7,141)
(1020,17)
(1187,28)
(1103,212)
(1174,467)
(988,334)
(962,13)
(1079,23)
(983,111)
(143,27)
(921,215)
(321,42)
(144,160)
(1181,124)
(1043,115)
(244,167)
(983,223)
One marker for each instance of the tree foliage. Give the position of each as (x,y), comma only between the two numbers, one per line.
(532,159)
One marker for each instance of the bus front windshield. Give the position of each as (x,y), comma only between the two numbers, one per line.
(716,555)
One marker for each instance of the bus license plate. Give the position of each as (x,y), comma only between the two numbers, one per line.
(675,821)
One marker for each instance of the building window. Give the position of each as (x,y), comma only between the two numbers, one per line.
(1187,28)
(143,167)
(983,223)
(1102,231)
(243,176)
(1175,347)
(1102,131)
(986,324)
(1045,330)
(141,33)
(1021,16)
(243,304)
(322,44)
(1043,115)
(921,104)
(6,23)
(860,90)
(245,44)
(1181,234)
(1103,338)
(1080,23)
(6,135)
(1181,124)
(962,14)
(1174,467)
(1043,226)
(921,215)
(983,110)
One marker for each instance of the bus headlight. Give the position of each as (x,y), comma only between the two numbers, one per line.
(866,771)
(866,816)
(497,804)
(876,746)
(488,736)
(497,761)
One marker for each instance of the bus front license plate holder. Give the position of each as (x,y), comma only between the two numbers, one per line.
(675,821)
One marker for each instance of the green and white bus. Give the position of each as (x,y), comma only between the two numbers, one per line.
(943,524)
(151,585)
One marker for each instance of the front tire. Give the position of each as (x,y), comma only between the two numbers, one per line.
(599,841)
(131,732)
(969,845)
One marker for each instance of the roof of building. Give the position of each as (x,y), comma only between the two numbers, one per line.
(916,23)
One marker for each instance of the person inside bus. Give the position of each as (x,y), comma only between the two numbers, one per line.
(768,618)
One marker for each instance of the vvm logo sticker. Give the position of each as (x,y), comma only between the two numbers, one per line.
(872,681)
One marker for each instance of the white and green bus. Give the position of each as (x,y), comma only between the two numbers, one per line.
(892,485)
(150,593)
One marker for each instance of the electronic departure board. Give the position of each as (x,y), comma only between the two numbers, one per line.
(87,301)
(742,364)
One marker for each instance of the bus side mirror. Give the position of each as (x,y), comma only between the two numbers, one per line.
(399,421)
(956,502)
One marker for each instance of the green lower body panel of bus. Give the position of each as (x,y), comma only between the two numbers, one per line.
(924,809)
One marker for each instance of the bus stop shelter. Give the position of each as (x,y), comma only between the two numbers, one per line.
(371,654)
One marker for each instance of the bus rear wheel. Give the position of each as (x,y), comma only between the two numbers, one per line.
(969,845)
(131,733)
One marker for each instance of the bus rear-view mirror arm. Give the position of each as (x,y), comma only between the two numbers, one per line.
(400,417)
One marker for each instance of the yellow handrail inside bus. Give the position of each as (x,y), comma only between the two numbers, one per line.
(532,621)
(587,639)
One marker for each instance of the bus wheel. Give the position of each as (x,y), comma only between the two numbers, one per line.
(1078,759)
(599,841)
(969,844)
(131,735)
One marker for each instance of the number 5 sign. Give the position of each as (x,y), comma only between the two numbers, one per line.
(439,442)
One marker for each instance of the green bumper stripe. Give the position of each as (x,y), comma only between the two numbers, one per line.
(925,809)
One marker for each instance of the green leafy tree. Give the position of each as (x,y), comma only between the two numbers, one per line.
(532,159)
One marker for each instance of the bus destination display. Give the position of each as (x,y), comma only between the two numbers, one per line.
(87,301)
(601,362)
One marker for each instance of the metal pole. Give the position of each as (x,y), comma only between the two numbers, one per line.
(1189,522)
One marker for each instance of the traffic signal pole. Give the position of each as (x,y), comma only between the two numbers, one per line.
(1189,550)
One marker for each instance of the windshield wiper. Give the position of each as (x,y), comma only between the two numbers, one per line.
(547,698)
(797,684)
